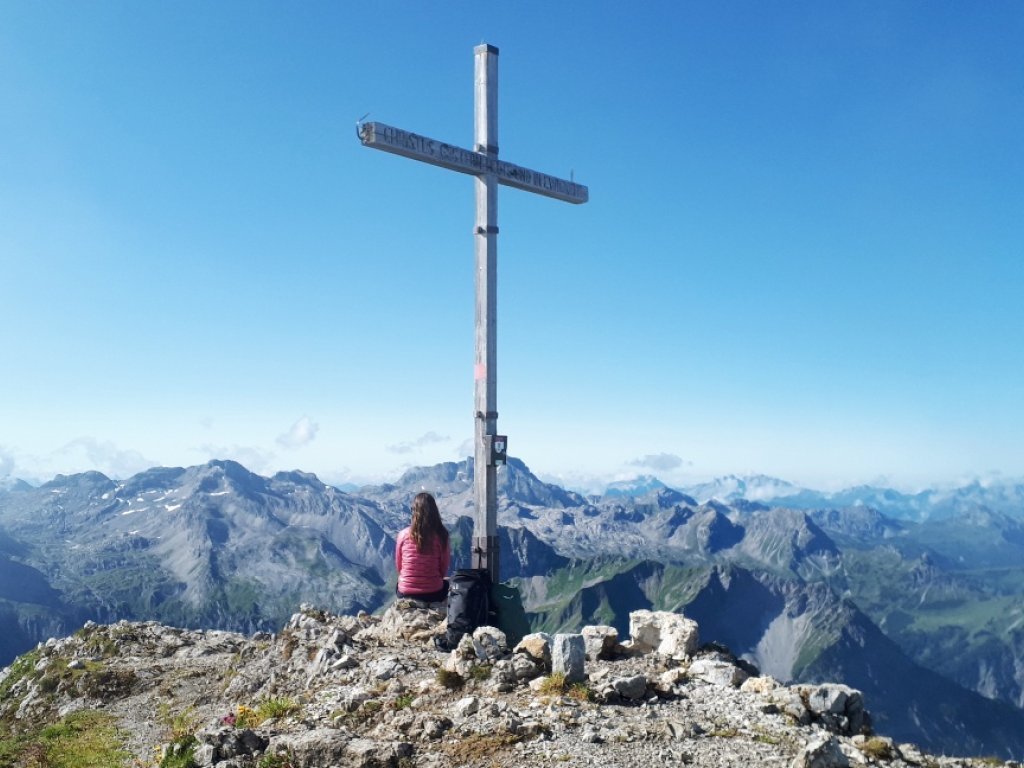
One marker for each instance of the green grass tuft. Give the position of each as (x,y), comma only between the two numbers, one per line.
(84,739)
(450,680)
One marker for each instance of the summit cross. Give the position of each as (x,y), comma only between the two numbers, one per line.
(483,163)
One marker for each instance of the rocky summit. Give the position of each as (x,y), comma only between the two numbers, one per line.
(372,691)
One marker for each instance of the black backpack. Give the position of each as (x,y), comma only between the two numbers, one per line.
(468,606)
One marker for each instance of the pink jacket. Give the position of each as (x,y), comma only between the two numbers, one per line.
(420,573)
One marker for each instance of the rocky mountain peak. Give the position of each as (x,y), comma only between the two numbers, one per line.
(299,478)
(14,484)
(84,483)
(371,691)
(447,477)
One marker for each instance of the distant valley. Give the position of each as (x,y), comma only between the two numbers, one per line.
(867,585)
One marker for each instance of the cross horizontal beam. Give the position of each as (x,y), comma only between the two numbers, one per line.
(427,150)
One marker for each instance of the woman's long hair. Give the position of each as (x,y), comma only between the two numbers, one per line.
(426,522)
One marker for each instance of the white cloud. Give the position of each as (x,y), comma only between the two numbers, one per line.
(88,453)
(660,462)
(430,438)
(466,448)
(302,432)
(6,463)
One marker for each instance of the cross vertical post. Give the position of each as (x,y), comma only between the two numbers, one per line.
(482,163)
(485,374)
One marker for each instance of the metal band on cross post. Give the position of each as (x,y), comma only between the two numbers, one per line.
(482,163)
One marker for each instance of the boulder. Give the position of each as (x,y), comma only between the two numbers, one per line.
(601,641)
(669,681)
(717,672)
(318,748)
(632,688)
(368,753)
(525,668)
(762,685)
(538,647)
(791,703)
(670,634)
(466,707)
(406,619)
(822,752)
(385,669)
(838,708)
(490,644)
(568,656)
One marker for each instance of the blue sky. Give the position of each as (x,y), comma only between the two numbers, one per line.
(802,255)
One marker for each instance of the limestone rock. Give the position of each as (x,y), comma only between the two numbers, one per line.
(792,704)
(568,656)
(367,753)
(717,672)
(525,668)
(822,752)
(463,659)
(467,706)
(406,619)
(669,634)
(633,688)
(762,685)
(538,647)
(318,748)
(669,681)
(489,644)
(601,641)
(838,708)
(385,669)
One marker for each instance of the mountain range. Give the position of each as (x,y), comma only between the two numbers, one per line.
(1004,496)
(868,586)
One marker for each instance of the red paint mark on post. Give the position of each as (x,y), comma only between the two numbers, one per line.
(479,372)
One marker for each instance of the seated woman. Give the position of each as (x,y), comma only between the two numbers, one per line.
(422,554)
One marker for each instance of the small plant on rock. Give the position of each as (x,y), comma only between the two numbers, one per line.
(83,738)
(404,701)
(23,666)
(556,684)
(278,706)
(879,749)
(181,727)
(246,717)
(580,692)
(278,760)
(476,748)
(553,685)
(180,724)
(180,754)
(450,680)
(481,672)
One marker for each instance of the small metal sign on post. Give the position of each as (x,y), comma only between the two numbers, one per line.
(481,162)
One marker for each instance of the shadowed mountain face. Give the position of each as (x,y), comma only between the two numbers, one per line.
(794,590)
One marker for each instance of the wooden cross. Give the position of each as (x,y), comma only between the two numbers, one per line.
(483,163)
